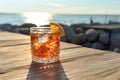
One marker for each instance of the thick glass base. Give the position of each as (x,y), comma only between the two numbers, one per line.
(45,60)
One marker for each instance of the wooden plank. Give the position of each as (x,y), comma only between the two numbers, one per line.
(76,63)
(26,46)
(14,42)
(85,68)
(94,71)
(23,57)
(4,35)
(12,39)
(23,54)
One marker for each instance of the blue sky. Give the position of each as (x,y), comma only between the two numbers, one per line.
(61,6)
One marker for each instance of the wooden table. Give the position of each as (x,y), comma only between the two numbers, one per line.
(76,62)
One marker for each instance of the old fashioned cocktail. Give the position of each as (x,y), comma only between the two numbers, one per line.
(45,44)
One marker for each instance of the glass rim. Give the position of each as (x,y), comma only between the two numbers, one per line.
(39,27)
(40,30)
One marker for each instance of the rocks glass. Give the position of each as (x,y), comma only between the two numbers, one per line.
(45,46)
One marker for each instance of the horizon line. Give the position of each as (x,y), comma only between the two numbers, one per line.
(63,13)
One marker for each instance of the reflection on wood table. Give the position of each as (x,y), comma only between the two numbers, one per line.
(76,62)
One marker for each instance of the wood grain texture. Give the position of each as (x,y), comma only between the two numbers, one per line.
(76,62)
(11,36)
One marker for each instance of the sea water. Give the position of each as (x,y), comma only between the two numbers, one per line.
(68,19)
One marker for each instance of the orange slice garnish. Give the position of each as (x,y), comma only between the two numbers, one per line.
(57,29)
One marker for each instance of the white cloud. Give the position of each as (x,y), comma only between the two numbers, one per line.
(56,5)
(84,9)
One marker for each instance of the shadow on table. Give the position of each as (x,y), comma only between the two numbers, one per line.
(52,71)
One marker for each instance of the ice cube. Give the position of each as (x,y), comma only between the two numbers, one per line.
(43,38)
